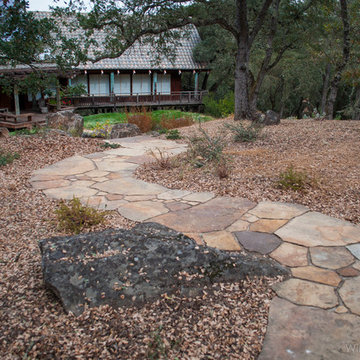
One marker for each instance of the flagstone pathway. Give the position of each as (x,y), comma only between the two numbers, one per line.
(317,312)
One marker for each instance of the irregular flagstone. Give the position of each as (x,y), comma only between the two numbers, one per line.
(316,229)
(42,185)
(258,242)
(350,294)
(348,272)
(112,205)
(298,332)
(129,186)
(214,215)
(112,197)
(115,164)
(97,173)
(173,194)
(239,225)
(70,166)
(80,189)
(45,177)
(142,210)
(141,159)
(222,240)
(176,206)
(316,274)
(266,225)
(196,237)
(129,267)
(290,255)
(249,217)
(199,197)
(355,250)
(303,292)
(126,152)
(331,257)
(278,210)
(140,197)
(98,155)
(341,310)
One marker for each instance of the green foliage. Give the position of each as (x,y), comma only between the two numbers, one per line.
(107,145)
(7,157)
(292,179)
(219,108)
(173,134)
(244,133)
(207,147)
(33,131)
(74,90)
(74,217)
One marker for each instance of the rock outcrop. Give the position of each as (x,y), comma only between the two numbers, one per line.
(67,121)
(129,267)
(124,130)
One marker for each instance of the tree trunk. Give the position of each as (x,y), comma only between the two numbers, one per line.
(356,113)
(325,89)
(340,67)
(242,103)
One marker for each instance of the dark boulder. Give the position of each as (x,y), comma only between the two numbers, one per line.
(271,118)
(124,130)
(129,267)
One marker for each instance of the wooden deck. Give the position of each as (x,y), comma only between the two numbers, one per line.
(27,120)
(176,98)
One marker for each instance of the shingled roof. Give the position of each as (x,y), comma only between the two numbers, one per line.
(141,56)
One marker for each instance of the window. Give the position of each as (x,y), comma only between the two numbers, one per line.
(163,84)
(99,84)
(122,84)
(80,79)
(141,84)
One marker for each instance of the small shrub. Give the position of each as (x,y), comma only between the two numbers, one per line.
(161,159)
(219,108)
(173,123)
(207,147)
(7,158)
(293,179)
(102,129)
(74,217)
(222,168)
(244,133)
(141,118)
(173,134)
(107,145)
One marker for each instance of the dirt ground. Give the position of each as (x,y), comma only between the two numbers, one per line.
(230,324)
(327,151)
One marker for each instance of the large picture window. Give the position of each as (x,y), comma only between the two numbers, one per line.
(163,84)
(99,84)
(141,84)
(80,79)
(122,84)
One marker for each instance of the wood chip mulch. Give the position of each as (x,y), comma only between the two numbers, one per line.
(229,323)
(327,151)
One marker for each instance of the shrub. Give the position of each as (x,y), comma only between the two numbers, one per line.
(219,108)
(207,147)
(211,106)
(244,133)
(74,217)
(141,118)
(173,123)
(173,134)
(161,159)
(107,145)
(7,158)
(102,129)
(293,179)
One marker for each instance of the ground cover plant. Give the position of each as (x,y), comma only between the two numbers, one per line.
(33,324)
(327,151)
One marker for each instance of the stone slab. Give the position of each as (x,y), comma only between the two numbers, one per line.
(258,242)
(176,206)
(97,173)
(214,215)
(266,225)
(331,257)
(348,272)
(290,255)
(199,197)
(115,164)
(173,194)
(298,332)
(355,250)
(43,185)
(316,274)
(278,210)
(239,225)
(142,210)
(304,292)
(316,229)
(80,189)
(350,294)
(222,240)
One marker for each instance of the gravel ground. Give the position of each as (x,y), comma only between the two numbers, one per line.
(328,151)
(228,323)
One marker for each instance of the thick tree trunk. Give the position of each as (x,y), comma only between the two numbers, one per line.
(340,67)
(325,88)
(356,113)
(242,103)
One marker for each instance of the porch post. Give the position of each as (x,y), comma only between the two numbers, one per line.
(196,83)
(58,103)
(112,80)
(16,99)
(155,83)
(69,82)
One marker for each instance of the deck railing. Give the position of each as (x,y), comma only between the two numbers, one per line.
(140,99)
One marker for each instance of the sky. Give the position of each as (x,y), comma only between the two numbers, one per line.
(43,5)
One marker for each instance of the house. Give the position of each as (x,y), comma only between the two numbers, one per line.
(137,77)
